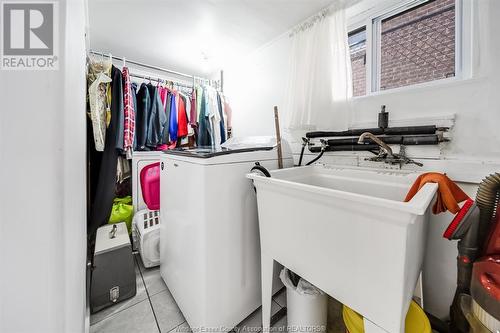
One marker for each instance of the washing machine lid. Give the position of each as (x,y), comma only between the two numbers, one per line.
(235,150)
(209,152)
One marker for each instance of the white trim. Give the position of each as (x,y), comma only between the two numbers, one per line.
(429,84)
(369,58)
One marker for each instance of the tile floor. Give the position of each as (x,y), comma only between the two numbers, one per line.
(153,310)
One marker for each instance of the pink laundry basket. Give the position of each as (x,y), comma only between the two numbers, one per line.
(150,185)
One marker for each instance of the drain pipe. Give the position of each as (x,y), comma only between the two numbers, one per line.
(324,147)
(305,142)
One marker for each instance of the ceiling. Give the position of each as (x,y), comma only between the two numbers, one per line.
(193,36)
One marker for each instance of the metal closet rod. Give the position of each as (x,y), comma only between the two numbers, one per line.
(148,66)
(159,79)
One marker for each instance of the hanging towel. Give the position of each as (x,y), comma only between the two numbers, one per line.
(449,195)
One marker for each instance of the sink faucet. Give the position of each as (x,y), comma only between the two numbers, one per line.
(381,143)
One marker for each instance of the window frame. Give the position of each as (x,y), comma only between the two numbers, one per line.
(371,19)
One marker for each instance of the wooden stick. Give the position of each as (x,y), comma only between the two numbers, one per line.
(278,137)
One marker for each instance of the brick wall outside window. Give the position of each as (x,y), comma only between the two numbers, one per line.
(358,63)
(417,46)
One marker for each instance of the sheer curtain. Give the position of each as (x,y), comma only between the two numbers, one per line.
(320,82)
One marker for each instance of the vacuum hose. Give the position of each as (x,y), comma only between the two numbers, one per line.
(487,200)
(472,245)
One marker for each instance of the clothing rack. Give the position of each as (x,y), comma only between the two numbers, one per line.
(160,69)
(157,79)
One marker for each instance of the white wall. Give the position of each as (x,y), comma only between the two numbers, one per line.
(258,82)
(42,184)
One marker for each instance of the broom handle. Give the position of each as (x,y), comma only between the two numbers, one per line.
(278,137)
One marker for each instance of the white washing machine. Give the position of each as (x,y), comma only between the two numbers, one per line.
(210,248)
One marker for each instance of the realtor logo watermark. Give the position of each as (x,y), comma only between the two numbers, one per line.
(29,35)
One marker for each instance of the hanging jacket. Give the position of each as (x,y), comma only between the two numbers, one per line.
(173,118)
(165,138)
(204,133)
(157,118)
(193,119)
(182,124)
(97,101)
(141,117)
(221,114)
(129,114)
(199,96)
(105,188)
(133,93)
(99,91)
(117,103)
(213,116)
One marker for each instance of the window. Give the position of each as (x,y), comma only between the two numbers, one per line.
(414,42)
(418,45)
(357,46)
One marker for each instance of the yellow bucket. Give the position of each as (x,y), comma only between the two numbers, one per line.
(416,320)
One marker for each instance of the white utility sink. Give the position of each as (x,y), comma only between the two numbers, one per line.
(347,231)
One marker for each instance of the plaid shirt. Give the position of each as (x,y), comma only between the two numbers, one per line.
(128,106)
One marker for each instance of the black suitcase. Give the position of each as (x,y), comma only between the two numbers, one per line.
(113,273)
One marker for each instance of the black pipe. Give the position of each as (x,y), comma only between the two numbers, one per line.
(353,132)
(355,147)
(390,140)
(406,130)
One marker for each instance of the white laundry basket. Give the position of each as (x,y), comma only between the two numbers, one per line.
(146,236)
(307,306)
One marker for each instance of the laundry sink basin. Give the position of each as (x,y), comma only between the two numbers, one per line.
(347,231)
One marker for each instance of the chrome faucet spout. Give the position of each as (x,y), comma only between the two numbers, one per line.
(379,142)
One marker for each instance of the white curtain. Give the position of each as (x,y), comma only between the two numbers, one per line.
(320,82)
